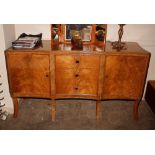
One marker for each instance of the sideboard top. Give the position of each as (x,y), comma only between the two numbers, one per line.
(47,47)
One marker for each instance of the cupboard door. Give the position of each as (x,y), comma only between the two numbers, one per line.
(29,74)
(124,76)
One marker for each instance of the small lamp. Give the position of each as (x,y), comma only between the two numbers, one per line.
(118,44)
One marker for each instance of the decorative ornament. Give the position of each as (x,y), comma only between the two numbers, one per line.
(118,44)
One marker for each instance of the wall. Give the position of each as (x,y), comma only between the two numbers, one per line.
(2,40)
(33,29)
(7,33)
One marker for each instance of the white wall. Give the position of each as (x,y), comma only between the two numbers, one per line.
(7,34)
(2,40)
(33,29)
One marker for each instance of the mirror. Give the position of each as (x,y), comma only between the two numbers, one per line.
(88,33)
(85,31)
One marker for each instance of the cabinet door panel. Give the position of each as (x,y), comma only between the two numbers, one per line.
(124,76)
(29,74)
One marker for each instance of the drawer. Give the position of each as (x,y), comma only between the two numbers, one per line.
(65,81)
(77,61)
(87,81)
(65,61)
(69,81)
(89,61)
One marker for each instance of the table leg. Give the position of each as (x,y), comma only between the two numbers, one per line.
(53,110)
(98,110)
(16,107)
(135,109)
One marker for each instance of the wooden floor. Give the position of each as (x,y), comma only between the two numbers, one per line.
(77,114)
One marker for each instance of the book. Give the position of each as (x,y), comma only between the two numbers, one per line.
(26,41)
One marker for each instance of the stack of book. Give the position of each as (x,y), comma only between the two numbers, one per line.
(25,42)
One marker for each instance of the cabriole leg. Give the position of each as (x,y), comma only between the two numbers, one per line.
(135,109)
(16,107)
(98,110)
(53,110)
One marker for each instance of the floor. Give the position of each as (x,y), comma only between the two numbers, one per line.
(34,114)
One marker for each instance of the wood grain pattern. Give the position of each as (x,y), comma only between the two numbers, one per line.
(87,81)
(29,74)
(65,81)
(73,74)
(124,76)
(96,73)
(52,75)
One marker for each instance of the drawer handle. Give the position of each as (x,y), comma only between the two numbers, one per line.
(77,61)
(1,91)
(47,75)
(76,75)
(76,88)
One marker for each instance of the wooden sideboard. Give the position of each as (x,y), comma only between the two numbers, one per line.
(96,72)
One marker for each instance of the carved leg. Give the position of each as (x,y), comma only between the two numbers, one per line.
(16,107)
(53,110)
(135,109)
(98,110)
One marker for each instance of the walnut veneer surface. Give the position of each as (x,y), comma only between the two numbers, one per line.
(96,72)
